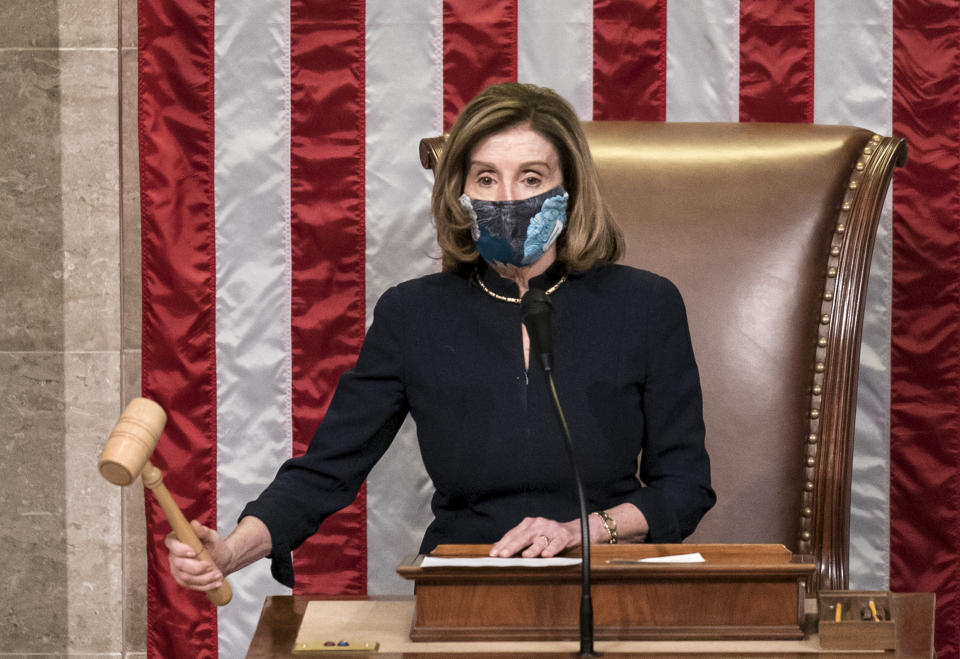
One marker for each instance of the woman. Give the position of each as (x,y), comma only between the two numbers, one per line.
(517,205)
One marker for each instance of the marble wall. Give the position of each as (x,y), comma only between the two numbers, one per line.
(72,566)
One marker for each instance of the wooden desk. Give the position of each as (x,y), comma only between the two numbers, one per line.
(389,619)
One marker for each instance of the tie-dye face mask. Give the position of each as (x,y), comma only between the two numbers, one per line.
(517,232)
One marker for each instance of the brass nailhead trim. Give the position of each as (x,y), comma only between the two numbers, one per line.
(822,341)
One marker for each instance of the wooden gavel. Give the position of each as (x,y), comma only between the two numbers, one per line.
(127,455)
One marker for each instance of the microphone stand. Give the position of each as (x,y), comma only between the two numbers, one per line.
(536,309)
(586,602)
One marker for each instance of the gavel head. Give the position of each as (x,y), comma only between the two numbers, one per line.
(132,441)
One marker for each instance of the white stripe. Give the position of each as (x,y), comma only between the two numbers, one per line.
(404,99)
(555,49)
(703,60)
(252,183)
(853,85)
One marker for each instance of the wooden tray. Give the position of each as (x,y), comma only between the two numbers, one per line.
(856,628)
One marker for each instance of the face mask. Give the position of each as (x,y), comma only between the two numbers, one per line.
(517,232)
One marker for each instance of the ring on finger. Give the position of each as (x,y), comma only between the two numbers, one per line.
(545,538)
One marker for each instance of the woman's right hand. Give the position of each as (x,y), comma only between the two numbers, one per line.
(188,570)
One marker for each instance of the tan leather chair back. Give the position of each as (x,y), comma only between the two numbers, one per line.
(767,230)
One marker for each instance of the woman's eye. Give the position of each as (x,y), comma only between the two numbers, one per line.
(532,180)
(484,180)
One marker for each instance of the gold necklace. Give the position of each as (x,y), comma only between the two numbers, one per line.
(514,300)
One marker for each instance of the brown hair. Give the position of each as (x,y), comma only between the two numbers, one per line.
(591,235)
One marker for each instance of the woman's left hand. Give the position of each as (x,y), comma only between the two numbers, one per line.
(538,536)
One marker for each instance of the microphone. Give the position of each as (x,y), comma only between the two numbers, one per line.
(536,310)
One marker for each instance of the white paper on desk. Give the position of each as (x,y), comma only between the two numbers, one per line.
(695,557)
(431,561)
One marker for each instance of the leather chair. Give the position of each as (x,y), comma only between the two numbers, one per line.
(768,231)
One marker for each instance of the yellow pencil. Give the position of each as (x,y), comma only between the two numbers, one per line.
(873,611)
(837,614)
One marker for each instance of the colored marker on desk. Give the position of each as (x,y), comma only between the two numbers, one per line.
(337,645)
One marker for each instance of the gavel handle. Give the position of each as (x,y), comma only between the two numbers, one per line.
(153,479)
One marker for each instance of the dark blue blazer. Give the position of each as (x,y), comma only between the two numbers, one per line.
(450,354)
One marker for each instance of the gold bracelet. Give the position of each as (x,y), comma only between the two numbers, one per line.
(609,523)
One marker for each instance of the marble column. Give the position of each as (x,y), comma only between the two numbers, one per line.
(134,524)
(71,545)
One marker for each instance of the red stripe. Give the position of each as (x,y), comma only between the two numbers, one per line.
(925,351)
(179,371)
(776,60)
(630,60)
(327,239)
(479,49)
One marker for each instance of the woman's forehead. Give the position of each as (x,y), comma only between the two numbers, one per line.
(516,144)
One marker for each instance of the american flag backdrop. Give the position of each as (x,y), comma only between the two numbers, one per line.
(281,194)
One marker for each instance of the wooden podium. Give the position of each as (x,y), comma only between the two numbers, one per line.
(739,592)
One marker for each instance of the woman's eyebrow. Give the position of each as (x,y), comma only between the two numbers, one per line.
(535,163)
(480,166)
